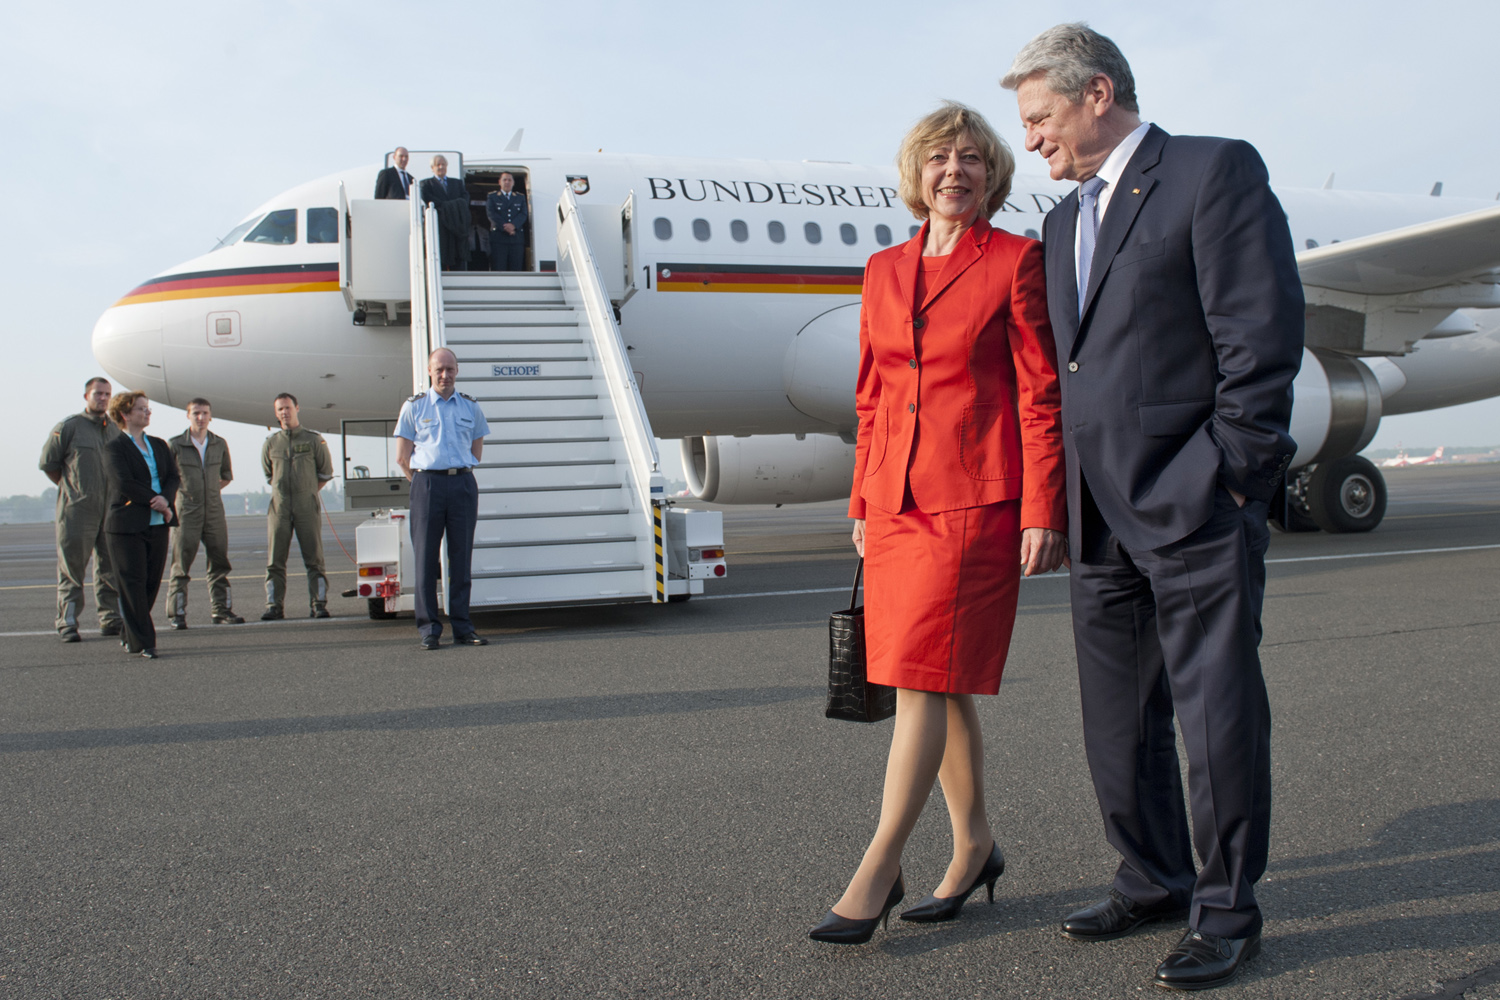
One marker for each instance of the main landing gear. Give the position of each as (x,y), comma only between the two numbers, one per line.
(1345,495)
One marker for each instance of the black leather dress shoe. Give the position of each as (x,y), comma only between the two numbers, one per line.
(319,613)
(429,642)
(1115,917)
(228,618)
(470,639)
(179,622)
(1202,961)
(272,615)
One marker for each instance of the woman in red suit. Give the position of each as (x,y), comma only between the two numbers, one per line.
(958,488)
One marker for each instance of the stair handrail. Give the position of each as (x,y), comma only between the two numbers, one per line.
(419,312)
(437,330)
(575,261)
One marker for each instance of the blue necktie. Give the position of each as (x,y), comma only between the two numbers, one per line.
(1088,232)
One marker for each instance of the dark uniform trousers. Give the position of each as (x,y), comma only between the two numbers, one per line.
(139,557)
(441,504)
(1177,629)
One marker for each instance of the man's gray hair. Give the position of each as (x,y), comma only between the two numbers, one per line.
(1067,57)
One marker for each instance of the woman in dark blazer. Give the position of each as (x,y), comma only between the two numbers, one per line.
(143,481)
(958,485)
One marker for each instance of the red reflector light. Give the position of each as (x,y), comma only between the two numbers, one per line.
(364,590)
(719,570)
(713,553)
(372,571)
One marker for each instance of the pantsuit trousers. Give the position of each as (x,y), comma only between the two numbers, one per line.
(138,558)
(443,505)
(208,527)
(507,253)
(1177,630)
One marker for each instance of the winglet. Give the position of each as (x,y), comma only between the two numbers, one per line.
(514,146)
(1437,189)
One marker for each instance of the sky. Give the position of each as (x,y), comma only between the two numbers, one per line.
(140,133)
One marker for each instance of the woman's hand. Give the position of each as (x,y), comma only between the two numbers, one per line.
(159,504)
(859,537)
(1042,550)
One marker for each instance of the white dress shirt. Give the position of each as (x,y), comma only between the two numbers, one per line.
(1113,166)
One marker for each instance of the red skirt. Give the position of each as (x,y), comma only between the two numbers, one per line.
(940,596)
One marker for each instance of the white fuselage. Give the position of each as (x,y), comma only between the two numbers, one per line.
(715,352)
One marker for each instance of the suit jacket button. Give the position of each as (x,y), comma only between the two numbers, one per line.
(911,407)
(1072,366)
(912,362)
(919,322)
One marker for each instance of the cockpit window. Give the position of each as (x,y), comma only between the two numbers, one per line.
(236,233)
(280,228)
(322,225)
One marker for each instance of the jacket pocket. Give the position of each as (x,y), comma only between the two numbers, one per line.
(879,435)
(1177,419)
(1137,252)
(987,439)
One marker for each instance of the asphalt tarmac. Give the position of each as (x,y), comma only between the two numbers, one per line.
(647,801)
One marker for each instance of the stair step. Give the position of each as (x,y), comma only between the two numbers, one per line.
(523,560)
(602,540)
(570,449)
(532,503)
(515,515)
(558,588)
(565,524)
(574,463)
(555,476)
(484,371)
(551,487)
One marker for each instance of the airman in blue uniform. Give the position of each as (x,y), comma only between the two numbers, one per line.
(440,438)
(506,209)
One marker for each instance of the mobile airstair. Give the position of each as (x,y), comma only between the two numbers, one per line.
(572,505)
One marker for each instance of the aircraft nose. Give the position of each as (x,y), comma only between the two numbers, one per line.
(127,343)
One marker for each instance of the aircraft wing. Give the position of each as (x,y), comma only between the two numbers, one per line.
(1412,259)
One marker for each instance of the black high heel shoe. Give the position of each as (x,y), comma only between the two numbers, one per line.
(834,929)
(937,909)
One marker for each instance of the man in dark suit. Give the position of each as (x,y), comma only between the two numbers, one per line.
(394,182)
(506,210)
(450,199)
(1174,297)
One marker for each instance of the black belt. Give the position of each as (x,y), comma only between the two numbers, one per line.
(443,472)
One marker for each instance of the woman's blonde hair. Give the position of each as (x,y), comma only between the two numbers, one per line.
(946,125)
(122,403)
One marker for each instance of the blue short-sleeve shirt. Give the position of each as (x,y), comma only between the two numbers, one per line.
(443,431)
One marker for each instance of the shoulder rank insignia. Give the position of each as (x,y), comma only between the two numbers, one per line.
(415,396)
(470,398)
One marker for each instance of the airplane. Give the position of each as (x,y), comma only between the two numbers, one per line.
(740,318)
(1401,461)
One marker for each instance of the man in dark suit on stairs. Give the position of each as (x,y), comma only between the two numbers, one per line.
(394,182)
(450,199)
(506,210)
(1175,301)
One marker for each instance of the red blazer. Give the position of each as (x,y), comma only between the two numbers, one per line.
(983,389)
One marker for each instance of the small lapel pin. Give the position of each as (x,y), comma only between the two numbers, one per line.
(1136,191)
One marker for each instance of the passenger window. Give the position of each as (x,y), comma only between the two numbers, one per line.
(913,231)
(701,231)
(663,229)
(776,231)
(236,233)
(813,232)
(738,231)
(322,225)
(883,235)
(848,235)
(279,228)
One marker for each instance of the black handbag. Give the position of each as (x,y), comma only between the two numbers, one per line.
(851,696)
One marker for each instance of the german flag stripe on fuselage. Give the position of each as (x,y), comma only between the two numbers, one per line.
(775,279)
(236,281)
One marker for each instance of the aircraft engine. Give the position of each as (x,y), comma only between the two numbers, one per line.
(768,468)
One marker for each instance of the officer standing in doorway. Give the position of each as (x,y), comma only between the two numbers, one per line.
(440,438)
(203,460)
(73,458)
(297,465)
(506,210)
